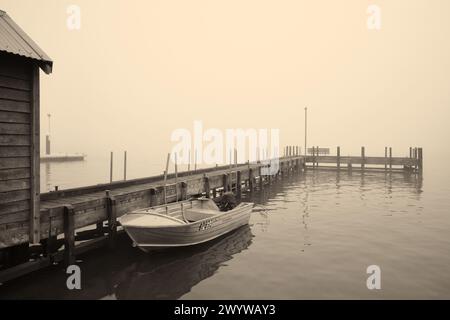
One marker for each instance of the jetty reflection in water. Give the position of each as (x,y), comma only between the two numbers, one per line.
(170,274)
(131,274)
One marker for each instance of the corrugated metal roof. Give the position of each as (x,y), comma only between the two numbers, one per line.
(15,41)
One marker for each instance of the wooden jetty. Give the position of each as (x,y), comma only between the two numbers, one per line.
(64,213)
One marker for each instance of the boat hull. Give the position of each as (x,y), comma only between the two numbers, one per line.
(192,233)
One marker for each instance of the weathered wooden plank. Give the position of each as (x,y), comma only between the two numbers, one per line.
(14,83)
(14,163)
(14,117)
(14,106)
(16,206)
(15,67)
(35,158)
(14,94)
(12,185)
(15,140)
(18,216)
(12,196)
(13,235)
(14,174)
(9,152)
(14,128)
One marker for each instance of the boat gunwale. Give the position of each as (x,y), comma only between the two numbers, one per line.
(241,206)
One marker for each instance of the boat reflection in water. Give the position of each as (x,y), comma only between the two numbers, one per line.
(170,274)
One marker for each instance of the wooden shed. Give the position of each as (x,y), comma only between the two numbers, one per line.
(20,61)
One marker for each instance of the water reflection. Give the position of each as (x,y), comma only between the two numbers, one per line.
(297,210)
(170,275)
(128,273)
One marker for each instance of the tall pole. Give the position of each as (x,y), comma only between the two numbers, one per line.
(49,116)
(306,129)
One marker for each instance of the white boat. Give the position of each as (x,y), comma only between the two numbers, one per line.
(183,223)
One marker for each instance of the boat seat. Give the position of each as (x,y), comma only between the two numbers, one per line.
(196,214)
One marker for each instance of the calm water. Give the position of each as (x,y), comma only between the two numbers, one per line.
(311,236)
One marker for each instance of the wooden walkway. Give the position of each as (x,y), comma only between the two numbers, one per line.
(64,213)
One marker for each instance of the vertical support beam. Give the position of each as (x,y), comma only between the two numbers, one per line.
(251,180)
(385,158)
(176,178)
(111,163)
(195,161)
(420,160)
(390,158)
(184,190)
(338,158)
(153,198)
(207,187)
(261,184)
(214,192)
(165,178)
(189,162)
(363,157)
(317,159)
(69,235)
(125,166)
(416,167)
(112,219)
(225,182)
(410,152)
(239,184)
(35,219)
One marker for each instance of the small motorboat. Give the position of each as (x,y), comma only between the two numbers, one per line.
(182,223)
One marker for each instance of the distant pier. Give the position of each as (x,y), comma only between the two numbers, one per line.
(62,157)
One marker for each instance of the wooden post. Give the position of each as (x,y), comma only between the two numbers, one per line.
(225,182)
(363,156)
(165,178)
(410,152)
(416,158)
(207,187)
(34,217)
(195,161)
(111,168)
(214,192)
(189,162)
(420,160)
(261,184)
(125,166)
(99,228)
(385,158)
(390,158)
(153,198)
(239,184)
(317,159)
(184,190)
(69,235)
(112,219)
(176,178)
(250,180)
(338,157)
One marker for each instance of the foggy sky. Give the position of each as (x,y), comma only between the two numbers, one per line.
(137,70)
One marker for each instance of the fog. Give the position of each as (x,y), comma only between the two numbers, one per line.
(138,70)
